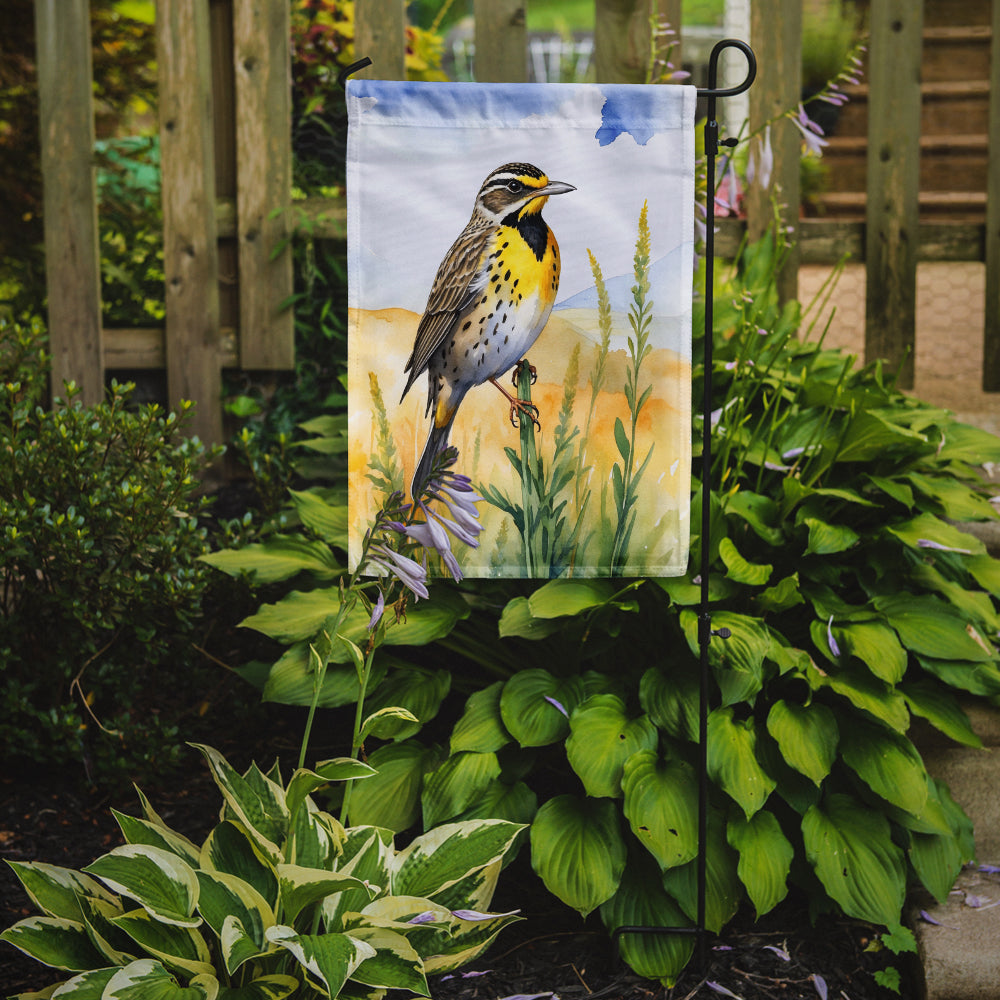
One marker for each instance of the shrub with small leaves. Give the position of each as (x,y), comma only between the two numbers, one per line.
(99,574)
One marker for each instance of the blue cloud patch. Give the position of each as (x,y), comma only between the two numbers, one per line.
(627,110)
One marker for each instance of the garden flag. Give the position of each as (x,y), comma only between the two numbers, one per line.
(520,277)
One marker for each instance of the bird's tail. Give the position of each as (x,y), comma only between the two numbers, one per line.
(437,441)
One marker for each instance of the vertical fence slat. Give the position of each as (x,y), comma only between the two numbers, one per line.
(893,183)
(72,257)
(621,40)
(380,34)
(991,333)
(776,34)
(501,41)
(261,57)
(669,11)
(190,254)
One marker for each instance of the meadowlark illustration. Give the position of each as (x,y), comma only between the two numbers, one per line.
(490,300)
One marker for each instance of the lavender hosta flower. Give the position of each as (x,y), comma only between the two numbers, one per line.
(557,704)
(812,134)
(410,573)
(927,543)
(761,163)
(834,647)
(377,611)
(431,536)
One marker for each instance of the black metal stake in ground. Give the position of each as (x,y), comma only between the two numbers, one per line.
(705,631)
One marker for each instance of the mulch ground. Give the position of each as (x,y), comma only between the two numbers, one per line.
(551,952)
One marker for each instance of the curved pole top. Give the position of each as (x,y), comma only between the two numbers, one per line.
(713,69)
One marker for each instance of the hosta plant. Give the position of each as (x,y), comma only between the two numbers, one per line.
(279,900)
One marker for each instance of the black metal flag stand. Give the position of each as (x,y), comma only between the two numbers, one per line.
(705,630)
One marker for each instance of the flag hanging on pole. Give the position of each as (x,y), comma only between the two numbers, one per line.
(520,278)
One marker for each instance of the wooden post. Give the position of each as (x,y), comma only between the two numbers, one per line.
(72,256)
(262,60)
(893,183)
(991,333)
(380,34)
(669,11)
(776,35)
(190,254)
(501,41)
(621,40)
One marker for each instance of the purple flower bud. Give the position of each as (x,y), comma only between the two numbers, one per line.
(834,648)
(558,705)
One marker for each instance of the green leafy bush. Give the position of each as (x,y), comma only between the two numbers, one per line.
(854,604)
(280,899)
(101,587)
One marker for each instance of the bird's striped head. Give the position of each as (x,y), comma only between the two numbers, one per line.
(516,189)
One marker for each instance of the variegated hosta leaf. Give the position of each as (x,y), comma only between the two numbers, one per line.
(441,857)
(367,853)
(807,736)
(301,887)
(602,737)
(116,946)
(147,979)
(468,939)
(661,799)
(177,947)
(225,897)
(273,987)
(56,891)
(86,986)
(642,902)
(141,831)
(578,851)
(54,941)
(732,760)
(395,964)
(765,858)
(230,849)
(851,849)
(475,891)
(256,801)
(315,838)
(329,959)
(304,782)
(238,944)
(158,880)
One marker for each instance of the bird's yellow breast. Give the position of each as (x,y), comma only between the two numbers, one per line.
(520,270)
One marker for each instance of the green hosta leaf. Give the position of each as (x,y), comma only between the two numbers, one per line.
(530,706)
(159,881)
(225,897)
(180,948)
(975,605)
(828,539)
(291,680)
(260,809)
(760,512)
(481,728)
(751,574)
(850,847)
(641,901)
(870,436)
(230,849)
(142,831)
(147,979)
(671,699)
(941,709)
(54,941)
(684,592)
(558,598)
(456,784)
(732,760)
(304,782)
(578,851)
(876,646)
(783,595)
(391,798)
(986,572)
(330,959)
(965,443)
(395,964)
(928,528)
(976,678)
(931,628)
(765,858)
(937,859)
(888,763)
(723,889)
(516,803)
(957,501)
(866,692)
(807,736)
(56,891)
(661,798)
(415,689)
(602,738)
(273,987)
(438,859)
(301,887)
(327,520)
(279,558)
(516,619)
(738,661)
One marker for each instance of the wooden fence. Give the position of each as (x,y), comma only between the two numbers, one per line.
(226,161)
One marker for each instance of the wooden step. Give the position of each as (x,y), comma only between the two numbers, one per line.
(956,53)
(957,206)
(947,162)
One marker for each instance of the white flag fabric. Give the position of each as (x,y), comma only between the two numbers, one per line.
(552,223)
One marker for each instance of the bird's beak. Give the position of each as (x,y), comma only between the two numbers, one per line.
(554,187)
